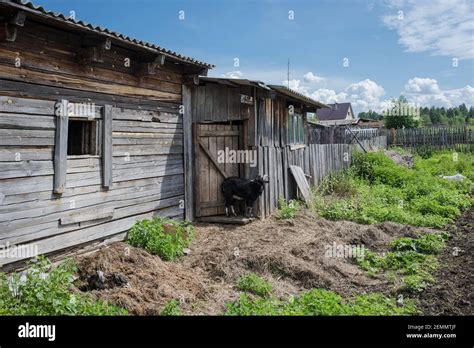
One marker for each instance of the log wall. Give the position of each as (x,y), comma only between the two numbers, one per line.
(42,66)
(147,177)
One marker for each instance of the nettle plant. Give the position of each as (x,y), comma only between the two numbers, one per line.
(287,211)
(45,289)
(412,259)
(162,236)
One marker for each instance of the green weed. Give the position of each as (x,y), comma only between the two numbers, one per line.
(317,302)
(171,308)
(287,211)
(46,290)
(254,284)
(163,237)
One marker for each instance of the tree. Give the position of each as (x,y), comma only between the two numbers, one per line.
(425,120)
(394,117)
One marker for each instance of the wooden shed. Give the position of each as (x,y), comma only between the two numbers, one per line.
(91,131)
(264,126)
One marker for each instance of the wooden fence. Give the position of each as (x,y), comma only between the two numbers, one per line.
(341,134)
(316,160)
(436,137)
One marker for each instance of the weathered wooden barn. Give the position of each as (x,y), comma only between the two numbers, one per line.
(91,131)
(264,126)
(98,130)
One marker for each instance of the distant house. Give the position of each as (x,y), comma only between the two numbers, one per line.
(337,114)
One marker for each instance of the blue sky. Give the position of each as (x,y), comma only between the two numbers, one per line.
(413,52)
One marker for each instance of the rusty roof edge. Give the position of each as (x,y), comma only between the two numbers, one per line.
(39,10)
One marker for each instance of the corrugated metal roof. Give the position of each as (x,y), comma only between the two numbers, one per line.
(235,82)
(298,96)
(32,8)
(259,84)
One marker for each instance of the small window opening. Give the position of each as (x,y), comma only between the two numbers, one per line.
(82,138)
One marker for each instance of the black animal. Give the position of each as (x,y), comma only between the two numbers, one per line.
(242,189)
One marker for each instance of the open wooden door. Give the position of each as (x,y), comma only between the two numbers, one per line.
(210,170)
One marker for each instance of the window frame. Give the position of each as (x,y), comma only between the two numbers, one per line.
(296,134)
(97,137)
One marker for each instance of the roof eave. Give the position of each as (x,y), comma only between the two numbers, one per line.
(80,26)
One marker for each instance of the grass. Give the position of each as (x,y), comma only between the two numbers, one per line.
(319,302)
(46,290)
(287,211)
(412,259)
(161,236)
(375,190)
(172,308)
(254,284)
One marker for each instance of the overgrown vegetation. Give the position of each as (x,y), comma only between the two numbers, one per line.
(412,259)
(46,290)
(321,302)
(254,284)
(375,189)
(287,211)
(161,236)
(171,308)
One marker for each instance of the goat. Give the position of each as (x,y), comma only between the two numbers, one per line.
(242,189)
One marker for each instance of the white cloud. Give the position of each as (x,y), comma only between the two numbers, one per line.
(422,86)
(363,95)
(441,27)
(329,96)
(426,92)
(309,77)
(237,74)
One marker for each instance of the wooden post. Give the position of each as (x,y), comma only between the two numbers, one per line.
(188,154)
(60,147)
(107,158)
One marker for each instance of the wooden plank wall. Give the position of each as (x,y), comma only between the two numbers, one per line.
(49,56)
(218,103)
(147,177)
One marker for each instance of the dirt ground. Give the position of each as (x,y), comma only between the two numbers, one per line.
(290,254)
(453,292)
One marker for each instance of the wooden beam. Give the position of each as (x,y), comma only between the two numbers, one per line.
(60,150)
(8,32)
(266,94)
(107,157)
(104,43)
(18,19)
(191,80)
(213,160)
(150,67)
(188,153)
(9,26)
(93,49)
(197,170)
(91,54)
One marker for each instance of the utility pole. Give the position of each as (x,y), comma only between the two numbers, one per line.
(288,73)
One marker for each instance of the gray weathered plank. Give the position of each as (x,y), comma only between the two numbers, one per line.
(60,153)
(107,151)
